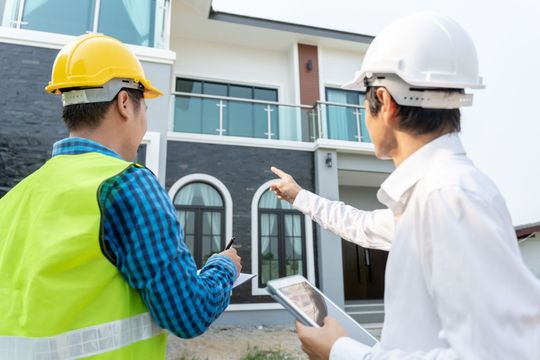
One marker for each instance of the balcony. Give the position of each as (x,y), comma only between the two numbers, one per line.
(226,116)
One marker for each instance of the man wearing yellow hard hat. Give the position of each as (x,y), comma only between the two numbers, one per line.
(92,258)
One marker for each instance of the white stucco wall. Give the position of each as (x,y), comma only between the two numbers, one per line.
(235,64)
(337,67)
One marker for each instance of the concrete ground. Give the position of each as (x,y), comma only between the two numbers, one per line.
(231,343)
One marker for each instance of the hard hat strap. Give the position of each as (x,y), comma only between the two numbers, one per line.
(101,94)
(406,95)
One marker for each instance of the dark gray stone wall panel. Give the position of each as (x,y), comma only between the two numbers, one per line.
(242,170)
(30,119)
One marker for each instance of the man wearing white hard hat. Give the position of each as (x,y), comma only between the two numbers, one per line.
(456,286)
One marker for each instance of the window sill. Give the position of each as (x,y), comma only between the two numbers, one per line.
(57,41)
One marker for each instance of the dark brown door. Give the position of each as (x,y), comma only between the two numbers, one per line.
(363,272)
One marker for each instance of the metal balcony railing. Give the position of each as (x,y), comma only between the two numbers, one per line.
(342,122)
(226,116)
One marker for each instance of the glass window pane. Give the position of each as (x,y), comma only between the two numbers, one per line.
(189,86)
(211,234)
(245,92)
(200,194)
(269,255)
(217,89)
(59,16)
(352,98)
(293,245)
(265,94)
(141,155)
(187,222)
(269,200)
(129,21)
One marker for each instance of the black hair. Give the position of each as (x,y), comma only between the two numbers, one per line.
(80,116)
(417,120)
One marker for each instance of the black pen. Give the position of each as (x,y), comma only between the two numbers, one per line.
(229,244)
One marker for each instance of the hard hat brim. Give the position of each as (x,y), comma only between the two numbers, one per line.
(357,83)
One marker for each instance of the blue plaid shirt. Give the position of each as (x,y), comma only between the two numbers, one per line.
(142,237)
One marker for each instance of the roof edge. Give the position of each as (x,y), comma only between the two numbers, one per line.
(289,27)
(527,229)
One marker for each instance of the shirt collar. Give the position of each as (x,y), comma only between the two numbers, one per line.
(77,145)
(396,189)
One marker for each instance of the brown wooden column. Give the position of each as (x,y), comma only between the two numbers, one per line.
(308,63)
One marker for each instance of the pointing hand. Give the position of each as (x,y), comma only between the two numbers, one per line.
(286,188)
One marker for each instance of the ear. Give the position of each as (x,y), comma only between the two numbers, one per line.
(122,104)
(388,108)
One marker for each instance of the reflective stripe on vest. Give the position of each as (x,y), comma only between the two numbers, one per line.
(92,340)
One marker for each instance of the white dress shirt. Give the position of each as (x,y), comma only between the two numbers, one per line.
(456,286)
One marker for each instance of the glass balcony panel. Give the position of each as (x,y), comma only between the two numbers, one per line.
(290,123)
(210,116)
(341,123)
(363,128)
(239,118)
(194,114)
(260,122)
(188,114)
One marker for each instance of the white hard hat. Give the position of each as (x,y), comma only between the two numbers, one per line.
(426,51)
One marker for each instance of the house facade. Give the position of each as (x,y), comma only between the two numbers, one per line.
(241,94)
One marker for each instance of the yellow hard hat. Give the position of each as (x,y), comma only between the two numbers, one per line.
(92,60)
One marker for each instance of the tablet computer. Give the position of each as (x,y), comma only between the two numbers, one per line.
(310,306)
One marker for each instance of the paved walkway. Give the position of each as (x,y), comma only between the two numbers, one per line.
(220,343)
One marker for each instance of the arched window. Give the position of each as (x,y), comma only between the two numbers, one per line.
(282,245)
(201,212)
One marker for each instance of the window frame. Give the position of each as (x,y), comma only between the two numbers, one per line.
(225,118)
(308,245)
(282,270)
(14,11)
(219,186)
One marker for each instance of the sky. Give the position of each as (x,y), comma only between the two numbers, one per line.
(501,131)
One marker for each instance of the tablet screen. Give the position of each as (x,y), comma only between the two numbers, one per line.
(308,300)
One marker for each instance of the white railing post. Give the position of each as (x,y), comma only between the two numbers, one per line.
(221,105)
(269,132)
(357,114)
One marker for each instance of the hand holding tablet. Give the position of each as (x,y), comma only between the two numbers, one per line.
(310,306)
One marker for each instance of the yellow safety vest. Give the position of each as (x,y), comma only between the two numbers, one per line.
(60,298)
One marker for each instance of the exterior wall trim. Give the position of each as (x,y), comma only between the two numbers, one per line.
(310,259)
(239,141)
(57,41)
(253,307)
(216,183)
(152,140)
(339,145)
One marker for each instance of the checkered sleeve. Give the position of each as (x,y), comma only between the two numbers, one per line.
(142,237)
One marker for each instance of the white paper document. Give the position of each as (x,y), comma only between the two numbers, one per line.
(242,278)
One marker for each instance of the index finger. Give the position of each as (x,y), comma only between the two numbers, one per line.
(278,172)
